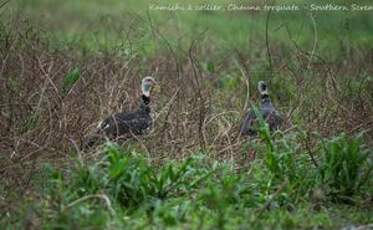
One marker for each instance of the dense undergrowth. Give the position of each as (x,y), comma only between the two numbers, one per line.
(283,189)
(193,171)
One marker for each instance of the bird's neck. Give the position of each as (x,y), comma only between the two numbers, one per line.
(145,90)
(145,101)
(265,99)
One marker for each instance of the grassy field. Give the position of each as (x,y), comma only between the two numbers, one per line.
(66,65)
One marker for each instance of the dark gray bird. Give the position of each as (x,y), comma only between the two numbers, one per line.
(127,123)
(266,110)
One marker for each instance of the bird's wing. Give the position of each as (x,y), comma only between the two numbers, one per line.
(274,119)
(138,123)
(122,123)
(246,127)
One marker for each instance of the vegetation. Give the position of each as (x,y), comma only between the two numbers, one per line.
(68,64)
(121,189)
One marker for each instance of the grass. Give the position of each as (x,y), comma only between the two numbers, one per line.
(68,64)
(121,189)
(97,26)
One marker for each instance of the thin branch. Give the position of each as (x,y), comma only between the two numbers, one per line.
(4,3)
(267,43)
(314,41)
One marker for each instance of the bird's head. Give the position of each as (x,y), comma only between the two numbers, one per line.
(147,84)
(262,87)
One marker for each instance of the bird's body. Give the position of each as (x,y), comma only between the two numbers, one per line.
(266,110)
(131,123)
(126,124)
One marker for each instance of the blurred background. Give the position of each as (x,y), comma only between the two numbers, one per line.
(96,25)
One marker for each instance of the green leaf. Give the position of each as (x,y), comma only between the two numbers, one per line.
(211,67)
(69,81)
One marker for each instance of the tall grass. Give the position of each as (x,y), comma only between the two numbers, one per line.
(193,170)
(346,166)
